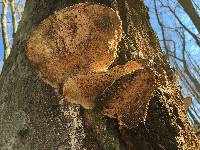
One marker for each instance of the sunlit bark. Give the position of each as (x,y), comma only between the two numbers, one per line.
(4,29)
(14,19)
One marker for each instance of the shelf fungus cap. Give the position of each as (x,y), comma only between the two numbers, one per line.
(75,40)
(128,97)
(187,102)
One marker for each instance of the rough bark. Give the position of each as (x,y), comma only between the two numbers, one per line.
(32,116)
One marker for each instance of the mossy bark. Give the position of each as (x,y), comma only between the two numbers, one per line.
(33,117)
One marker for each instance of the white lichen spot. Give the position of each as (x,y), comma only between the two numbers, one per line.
(75,126)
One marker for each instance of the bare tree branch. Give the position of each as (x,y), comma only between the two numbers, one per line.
(162,29)
(185,65)
(181,23)
(19,7)
(190,10)
(13,13)
(4,29)
(194,64)
(197,6)
(195,121)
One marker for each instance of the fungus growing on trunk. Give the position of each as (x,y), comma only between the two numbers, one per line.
(74,47)
(128,97)
(84,89)
(75,40)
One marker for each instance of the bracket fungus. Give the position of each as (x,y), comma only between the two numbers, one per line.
(187,102)
(84,89)
(128,97)
(75,40)
(74,48)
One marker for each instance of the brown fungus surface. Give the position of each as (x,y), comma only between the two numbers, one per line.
(84,89)
(75,40)
(187,102)
(127,99)
(75,46)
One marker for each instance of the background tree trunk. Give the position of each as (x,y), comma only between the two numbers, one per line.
(5,38)
(33,117)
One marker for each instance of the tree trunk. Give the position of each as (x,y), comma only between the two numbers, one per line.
(33,117)
(4,30)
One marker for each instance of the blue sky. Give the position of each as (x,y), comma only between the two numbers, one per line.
(1,53)
(1,49)
(1,45)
